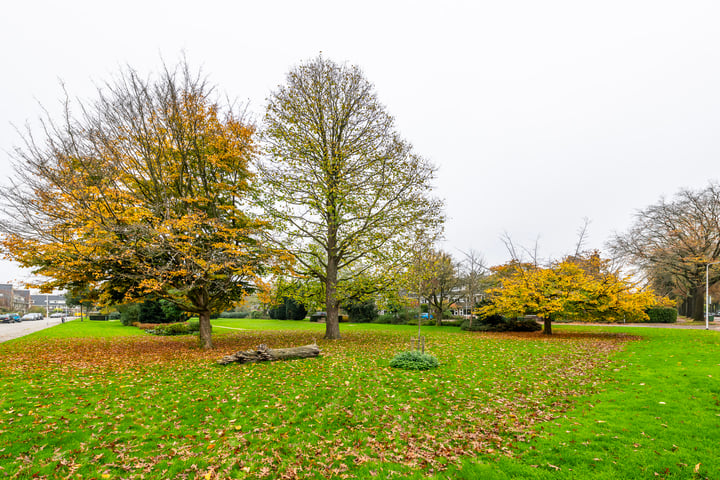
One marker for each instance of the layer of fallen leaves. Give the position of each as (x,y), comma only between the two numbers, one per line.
(159,407)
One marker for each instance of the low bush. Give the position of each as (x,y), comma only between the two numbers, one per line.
(662,315)
(184,328)
(523,325)
(497,323)
(486,324)
(171,329)
(453,322)
(401,318)
(414,360)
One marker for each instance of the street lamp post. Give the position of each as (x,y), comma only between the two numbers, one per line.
(707,294)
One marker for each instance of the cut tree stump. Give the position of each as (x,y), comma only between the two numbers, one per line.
(265,354)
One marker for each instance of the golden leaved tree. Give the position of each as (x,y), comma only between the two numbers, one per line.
(142,195)
(578,288)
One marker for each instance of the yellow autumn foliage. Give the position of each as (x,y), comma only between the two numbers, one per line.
(581,289)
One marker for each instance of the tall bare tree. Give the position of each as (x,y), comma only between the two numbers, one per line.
(347,195)
(473,274)
(673,241)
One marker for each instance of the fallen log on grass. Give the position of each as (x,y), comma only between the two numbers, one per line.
(265,354)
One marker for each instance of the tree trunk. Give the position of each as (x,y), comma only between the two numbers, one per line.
(265,354)
(332,321)
(698,304)
(438,316)
(547,326)
(205,330)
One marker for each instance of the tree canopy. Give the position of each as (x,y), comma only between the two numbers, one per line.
(142,194)
(435,277)
(673,240)
(581,288)
(348,196)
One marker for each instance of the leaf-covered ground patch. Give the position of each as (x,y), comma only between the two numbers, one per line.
(159,407)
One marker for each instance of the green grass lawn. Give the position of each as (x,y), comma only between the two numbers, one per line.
(99,400)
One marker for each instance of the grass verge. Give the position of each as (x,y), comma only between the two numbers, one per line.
(82,400)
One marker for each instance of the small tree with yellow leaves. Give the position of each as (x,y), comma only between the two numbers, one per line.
(587,290)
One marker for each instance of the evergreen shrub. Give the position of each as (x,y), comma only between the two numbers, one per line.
(151,312)
(414,360)
(361,312)
(662,315)
(130,314)
(288,309)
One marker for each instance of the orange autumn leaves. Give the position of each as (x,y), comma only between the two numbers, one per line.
(145,194)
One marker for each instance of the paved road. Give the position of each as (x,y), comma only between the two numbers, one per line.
(8,331)
(711,325)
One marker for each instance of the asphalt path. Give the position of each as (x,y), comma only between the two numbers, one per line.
(8,331)
(711,325)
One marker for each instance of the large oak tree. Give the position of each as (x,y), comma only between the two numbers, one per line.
(348,196)
(140,194)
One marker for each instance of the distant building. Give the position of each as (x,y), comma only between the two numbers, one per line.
(6,296)
(21,300)
(52,302)
(15,299)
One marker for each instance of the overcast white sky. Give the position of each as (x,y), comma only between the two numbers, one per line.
(537,113)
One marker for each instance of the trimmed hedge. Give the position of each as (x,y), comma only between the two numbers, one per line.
(662,315)
(234,314)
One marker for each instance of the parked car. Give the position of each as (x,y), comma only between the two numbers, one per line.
(10,318)
(426,316)
(32,316)
(57,315)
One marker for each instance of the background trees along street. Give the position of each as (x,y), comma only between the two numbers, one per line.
(672,241)
(347,196)
(141,193)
